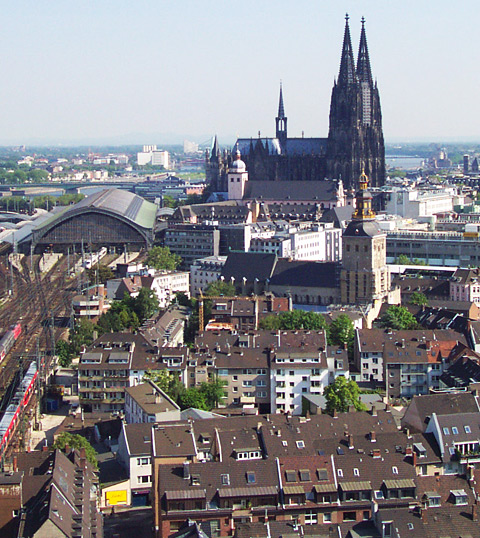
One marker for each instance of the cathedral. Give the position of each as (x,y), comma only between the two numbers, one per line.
(354,143)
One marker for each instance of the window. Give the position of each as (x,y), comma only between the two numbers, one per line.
(300,444)
(247,371)
(454,430)
(378,494)
(311,517)
(327,517)
(446,431)
(340,472)
(223,371)
(247,383)
(291,372)
(262,371)
(225,478)
(261,383)
(143,461)
(195,479)
(356,472)
(467,429)
(349,516)
(144,479)
(290,476)
(262,394)
(395,470)
(366,515)
(251,479)
(304,475)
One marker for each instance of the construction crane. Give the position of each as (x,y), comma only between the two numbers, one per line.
(201,304)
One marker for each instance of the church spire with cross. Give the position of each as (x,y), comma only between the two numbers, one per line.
(364,71)
(347,73)
(281,120)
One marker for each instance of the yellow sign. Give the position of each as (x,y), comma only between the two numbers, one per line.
(473,235)
(116,497)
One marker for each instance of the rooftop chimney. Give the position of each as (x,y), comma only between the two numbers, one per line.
(350,441)
(186,470)
(374,410)
(373,436)
(475,511)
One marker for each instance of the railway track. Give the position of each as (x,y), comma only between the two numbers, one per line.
(35,302)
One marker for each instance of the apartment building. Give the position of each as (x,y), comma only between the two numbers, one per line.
(116,361)
(192,241)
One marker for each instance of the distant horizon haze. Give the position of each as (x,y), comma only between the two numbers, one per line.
(120,72)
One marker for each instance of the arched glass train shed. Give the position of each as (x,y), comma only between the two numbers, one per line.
(110,218)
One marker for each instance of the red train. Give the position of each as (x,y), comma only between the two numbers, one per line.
(8,339)
(13,414)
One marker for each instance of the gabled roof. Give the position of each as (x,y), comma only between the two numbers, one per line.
(305,274)
(249,265)
(314,191)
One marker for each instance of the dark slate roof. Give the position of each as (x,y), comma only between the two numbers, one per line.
(292,190)
(305,273)
(338,215)
(250,265)
(293,146)
(360,228)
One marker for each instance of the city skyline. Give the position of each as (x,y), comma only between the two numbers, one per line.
(114,72)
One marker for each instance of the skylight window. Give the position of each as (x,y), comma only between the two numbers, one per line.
(290,476)
(454,430)
(467,429)
(225,479)
(446,431)
(356,472)
(340,472)
(304,475)
(395,470)
(251,479)
(300,444)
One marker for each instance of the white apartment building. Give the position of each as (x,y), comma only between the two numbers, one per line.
(295,371)
(415,203)
(204,271)
(151,155)
(166,284)
(465,286)
(320,243)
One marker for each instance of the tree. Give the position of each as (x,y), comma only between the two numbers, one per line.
(81,335)
(398,318)
(76,441)
(192,397)
(419,299)
(220,287)
(294,321)
(144,305)
(162,258)
(63,350)
(341,331)
(402,259)
(342,394)
(100,273)
(213,391)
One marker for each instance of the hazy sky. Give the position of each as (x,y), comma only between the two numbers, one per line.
(155,71)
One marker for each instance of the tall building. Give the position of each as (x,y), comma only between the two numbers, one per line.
(365,275)
(354,143)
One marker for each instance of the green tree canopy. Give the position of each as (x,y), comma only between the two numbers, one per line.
(100,273)
(81,335)
(213,391)
(419,299)
(76,441)
(162,258)
(192,397)
(341,331)
(145,304)
(294,320)
(398,318)
(219,287)
(63,350)
(342,394)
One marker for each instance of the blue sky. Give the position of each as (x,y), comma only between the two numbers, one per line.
(157,71)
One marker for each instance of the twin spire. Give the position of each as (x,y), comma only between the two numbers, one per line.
(348,74)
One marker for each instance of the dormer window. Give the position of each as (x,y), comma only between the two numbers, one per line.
(446,431)
(304,475)
(195,479)
(454,430)
(290,476)
(459,497)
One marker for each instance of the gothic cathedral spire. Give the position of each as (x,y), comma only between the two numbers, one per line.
(364,72)
(281,120)
(347,74)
